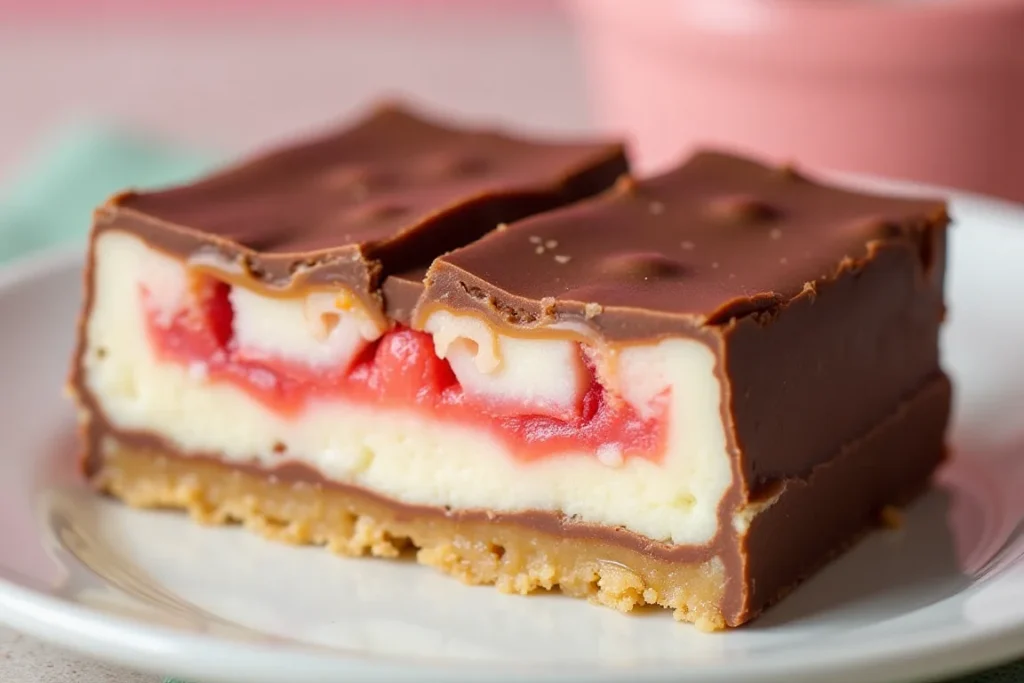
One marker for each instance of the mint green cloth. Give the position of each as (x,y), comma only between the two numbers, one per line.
(51,203)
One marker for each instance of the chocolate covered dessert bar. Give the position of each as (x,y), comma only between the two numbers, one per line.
(690,390)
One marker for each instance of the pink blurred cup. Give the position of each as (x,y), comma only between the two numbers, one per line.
(926,90)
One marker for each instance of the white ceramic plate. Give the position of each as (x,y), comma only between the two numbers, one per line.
(153,591)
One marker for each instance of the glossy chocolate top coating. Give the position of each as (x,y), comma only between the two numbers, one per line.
(384,195)
(719,237)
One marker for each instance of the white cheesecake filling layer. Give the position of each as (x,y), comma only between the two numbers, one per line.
(409,455)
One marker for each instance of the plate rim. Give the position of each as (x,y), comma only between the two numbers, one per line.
(937,653)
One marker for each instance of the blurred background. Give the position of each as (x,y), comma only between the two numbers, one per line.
(225,75)
(97,94)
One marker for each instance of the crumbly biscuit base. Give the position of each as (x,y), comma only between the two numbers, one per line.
(513,557)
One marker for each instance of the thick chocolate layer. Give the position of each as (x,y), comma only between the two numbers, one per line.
(810,521)
(385,195)
(718,238)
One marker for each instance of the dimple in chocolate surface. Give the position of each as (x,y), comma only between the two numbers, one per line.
(716,238)
(382,196)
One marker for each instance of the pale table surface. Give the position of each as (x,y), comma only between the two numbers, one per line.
(228,86)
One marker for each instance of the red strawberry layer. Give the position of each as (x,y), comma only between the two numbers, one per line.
(399,370)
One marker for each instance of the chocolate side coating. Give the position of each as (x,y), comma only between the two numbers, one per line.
(834,361)
(716,239)
(384,195)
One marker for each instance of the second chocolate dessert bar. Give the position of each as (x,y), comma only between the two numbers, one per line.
(753,354)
